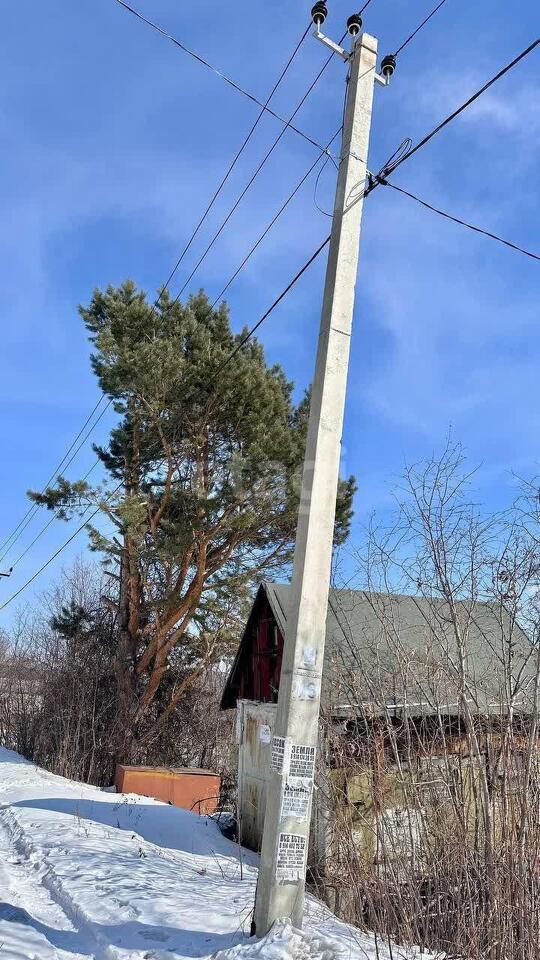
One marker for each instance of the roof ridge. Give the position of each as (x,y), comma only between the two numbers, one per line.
(383,593)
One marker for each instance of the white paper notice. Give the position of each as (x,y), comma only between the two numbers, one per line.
(281,754)
(265,733)
(295,802)
(301,766)
(291,856)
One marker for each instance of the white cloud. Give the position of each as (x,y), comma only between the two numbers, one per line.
(460,318)
(503,108)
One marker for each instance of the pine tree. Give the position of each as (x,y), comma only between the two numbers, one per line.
(203,473)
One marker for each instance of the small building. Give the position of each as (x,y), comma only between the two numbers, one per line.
(418,698)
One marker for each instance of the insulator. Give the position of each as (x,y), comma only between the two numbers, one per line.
(354,24)
(388,65)
(319,13)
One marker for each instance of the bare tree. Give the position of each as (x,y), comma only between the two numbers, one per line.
(58,690)
(433,772)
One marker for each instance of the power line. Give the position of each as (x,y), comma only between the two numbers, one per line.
(452,116)
(23,524)
(228,359)
(374,181)
(271,224)
(58,467)
(47,525)
(286,202)
(264,160)
(19,530)
(46,564)
(63,465)
(236,350)
(458,220)
(55,554)
(288,124)
(419,27)
(233,163)
(33,509)
(272,307)
(219,73)
(302,269)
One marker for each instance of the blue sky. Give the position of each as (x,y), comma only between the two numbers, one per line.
(113,141)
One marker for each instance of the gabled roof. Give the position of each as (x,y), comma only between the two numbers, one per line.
(400,652)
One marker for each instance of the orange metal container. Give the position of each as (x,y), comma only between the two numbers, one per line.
(186,787)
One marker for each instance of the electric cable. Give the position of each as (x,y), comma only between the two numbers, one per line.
(23,524)
(458,220)
(19,530)
(262,163)
(275,303)
(63,465)
(59,466)
(467,103)
(272,222)
(32,510)
(232,164)
(419,27)
(47,525)
(6,545)
(395,157)
(219,73)
(373,181)
(288,124)
(56,553)
(325,213)
(47,563)
(227,360)
(329,157)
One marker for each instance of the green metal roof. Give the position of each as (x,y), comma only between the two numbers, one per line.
(401,653)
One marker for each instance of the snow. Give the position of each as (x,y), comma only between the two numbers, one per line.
(85,873)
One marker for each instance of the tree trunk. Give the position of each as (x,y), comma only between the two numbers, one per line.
(123,734)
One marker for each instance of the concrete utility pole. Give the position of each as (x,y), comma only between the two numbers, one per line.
(282,872)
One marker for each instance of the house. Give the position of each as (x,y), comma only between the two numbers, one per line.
(420,698)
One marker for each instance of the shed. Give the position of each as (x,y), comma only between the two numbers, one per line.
(391,652)
(419,701)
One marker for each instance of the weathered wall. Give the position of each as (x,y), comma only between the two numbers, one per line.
(255,725)
(255,722)
(391,814)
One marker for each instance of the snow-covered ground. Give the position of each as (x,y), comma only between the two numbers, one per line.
(90,874)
